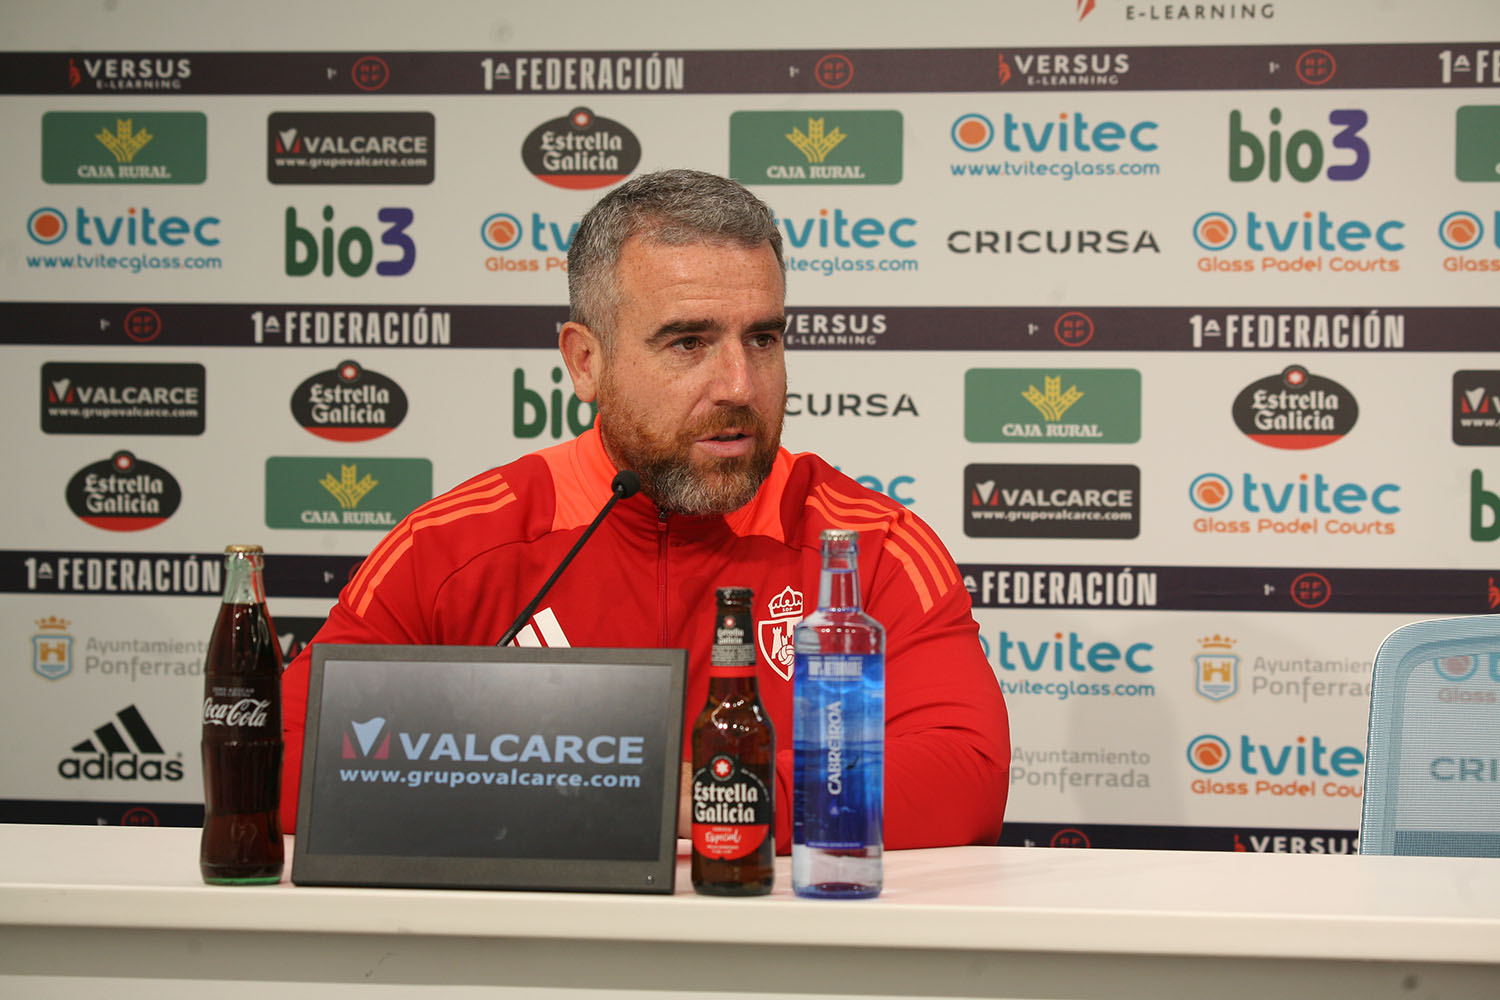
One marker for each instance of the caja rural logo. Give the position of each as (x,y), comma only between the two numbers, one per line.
(349,403)
(1295,410)
(581,151)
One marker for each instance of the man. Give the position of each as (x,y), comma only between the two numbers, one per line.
(676,286)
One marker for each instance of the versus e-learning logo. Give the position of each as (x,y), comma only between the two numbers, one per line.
(1293,507)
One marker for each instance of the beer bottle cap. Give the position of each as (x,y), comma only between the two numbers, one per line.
(242,548)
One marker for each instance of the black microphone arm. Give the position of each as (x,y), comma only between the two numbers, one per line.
(626,484)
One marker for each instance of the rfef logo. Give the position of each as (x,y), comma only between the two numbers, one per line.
(815,147)
(1476,407)
(1256,152)
(581,151)
(1295,410)
(1052,405)
(125,147)
(349,403)
(123,493)
(109,756)
(1052,501)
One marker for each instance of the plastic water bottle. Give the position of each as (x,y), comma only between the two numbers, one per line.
(838,740)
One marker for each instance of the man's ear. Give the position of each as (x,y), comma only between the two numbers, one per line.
(584,355)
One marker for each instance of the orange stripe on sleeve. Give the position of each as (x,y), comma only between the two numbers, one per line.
(900,541)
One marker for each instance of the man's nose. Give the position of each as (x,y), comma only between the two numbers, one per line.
(732,376)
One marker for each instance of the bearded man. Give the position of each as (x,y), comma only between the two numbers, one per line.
(676,290)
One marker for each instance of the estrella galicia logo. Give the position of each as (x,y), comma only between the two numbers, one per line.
(123,493)
(365,734)
(1295,410)
(109,756)
(1052,501)
(1476,408)
(581,151)
(351,147)
(122,398)
(349,403)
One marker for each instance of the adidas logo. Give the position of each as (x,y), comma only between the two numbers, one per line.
(110,757)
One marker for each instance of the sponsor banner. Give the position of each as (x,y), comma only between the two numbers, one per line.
(122,398)
(1052,501)
(815,147)
(120,655)
(155,574)
(1476,407)
(344,494)
(124,147)
(893,328)
(351,147)
(581,151)
(951,70)
(72,812)
(349,403)
(1295,410)
(1256,840)
(123,493)
(1052,405)
(1233,588)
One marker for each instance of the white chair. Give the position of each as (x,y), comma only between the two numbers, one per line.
(1432,764)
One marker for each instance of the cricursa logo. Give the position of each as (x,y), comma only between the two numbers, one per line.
(128,147)
(850,404)
(1293,507)
(1069,146)
(112,755)
(1052,241)
(815,147)
(1295,410)
(581,151)
(1263,151)
(1297,244)
(1292,769)
(349,403)
(526,245)
(355,147)
(123,493)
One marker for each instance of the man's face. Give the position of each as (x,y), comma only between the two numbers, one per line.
(694,389)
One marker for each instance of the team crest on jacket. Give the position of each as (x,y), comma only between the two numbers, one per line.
(775,632)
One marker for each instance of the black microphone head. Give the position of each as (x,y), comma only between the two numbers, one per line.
(626,484)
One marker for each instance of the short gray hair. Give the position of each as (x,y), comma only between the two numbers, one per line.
(673,207)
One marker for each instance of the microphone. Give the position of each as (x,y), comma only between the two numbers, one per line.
(625,485)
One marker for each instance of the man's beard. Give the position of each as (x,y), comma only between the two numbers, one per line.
(668,474)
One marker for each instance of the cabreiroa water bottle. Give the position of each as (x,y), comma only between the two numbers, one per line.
(838,740)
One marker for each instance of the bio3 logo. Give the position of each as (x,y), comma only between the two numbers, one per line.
(350,249)
(1260,151)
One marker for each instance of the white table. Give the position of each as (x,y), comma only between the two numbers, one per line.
(81,903)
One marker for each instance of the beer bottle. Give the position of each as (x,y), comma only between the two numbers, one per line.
(734,764)
(242,732)
(838,734)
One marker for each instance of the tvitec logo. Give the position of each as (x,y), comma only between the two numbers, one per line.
(1465,232)
(351,251)
(1293,507)
(1297,244)
(1278,768)
(1302,154)
(135,228)
(533,245)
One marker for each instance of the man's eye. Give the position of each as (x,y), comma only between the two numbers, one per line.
(765,339)
(688,343)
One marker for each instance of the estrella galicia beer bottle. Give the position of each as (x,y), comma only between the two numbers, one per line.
(734,764)
(242,732)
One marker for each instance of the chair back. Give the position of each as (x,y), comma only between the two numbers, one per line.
(1432,763)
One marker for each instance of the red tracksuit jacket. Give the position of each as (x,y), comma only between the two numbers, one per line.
(459,569)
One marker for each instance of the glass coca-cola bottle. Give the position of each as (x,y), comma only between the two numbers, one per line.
(242,732)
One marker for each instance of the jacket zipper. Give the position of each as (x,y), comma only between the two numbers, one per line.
(661,578)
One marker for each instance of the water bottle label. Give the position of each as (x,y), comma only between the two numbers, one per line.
(731,809)
(838,747)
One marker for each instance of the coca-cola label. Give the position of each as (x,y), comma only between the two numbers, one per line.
(240,708)
(732,809)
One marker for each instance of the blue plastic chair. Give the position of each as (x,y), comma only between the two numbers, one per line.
(1432,763)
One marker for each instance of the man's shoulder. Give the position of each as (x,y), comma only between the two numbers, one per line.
(818,496)
(511,502)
